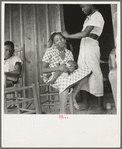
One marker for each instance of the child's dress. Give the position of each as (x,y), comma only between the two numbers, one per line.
(52,57)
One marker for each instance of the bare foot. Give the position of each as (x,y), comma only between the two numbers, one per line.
(76,106)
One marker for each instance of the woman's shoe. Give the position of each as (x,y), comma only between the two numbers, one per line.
(76,106)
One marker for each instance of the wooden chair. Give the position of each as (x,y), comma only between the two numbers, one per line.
(31,97)
(20,52)
(45,90)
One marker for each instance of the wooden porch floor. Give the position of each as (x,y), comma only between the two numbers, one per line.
(108,98)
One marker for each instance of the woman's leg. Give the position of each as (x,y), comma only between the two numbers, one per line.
(100,108)
(63,100)
(78,86)
(76,89)
(85,100)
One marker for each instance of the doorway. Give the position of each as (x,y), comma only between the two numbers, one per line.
(74,19)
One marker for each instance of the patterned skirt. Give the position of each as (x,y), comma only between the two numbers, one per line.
(64,82)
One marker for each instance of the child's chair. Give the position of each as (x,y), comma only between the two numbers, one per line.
(45,90)
(17,100)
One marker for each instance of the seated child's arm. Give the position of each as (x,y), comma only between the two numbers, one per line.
(16,72)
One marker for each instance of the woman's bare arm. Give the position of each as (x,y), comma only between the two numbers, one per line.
(79,35)
(46,69)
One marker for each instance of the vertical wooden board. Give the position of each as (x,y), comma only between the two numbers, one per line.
(7,25)
(16,25)
(52,18)
(48,20)
(34,49)
(57,16)
(114,19)
(28,41)
(42,26)
(113,8)
(62,17)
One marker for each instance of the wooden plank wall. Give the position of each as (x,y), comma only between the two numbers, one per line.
(31,24)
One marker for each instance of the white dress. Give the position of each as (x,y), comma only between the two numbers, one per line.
(89,55)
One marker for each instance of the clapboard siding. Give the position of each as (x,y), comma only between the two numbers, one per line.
(31,24)
(7,23)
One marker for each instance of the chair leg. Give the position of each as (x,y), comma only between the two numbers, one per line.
(38,97)
(71,103)
(5,105)
(35,101)
(48,97)
(18,106)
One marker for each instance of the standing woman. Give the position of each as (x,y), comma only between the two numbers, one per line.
(89,53)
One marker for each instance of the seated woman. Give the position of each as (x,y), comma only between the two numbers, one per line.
(58,54)
(12,65)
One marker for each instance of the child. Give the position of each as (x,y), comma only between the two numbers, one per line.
(71,66)
(12,64)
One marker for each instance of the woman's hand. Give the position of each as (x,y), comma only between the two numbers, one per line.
(71,69)
(65,34)
(63,68)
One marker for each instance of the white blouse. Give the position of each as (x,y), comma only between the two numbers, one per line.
(10,63)
(95,20)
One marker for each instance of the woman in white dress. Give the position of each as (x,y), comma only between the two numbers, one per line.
(89,54)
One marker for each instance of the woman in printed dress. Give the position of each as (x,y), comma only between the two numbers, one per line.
(55,59)
(89,54)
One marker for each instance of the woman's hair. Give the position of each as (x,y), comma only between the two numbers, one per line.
(51,39)
(10,43)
